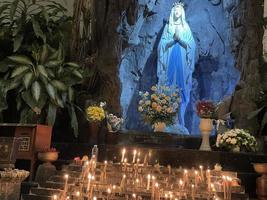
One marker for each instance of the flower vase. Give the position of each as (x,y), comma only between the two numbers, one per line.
(94,128)
(205,128)
(159,127)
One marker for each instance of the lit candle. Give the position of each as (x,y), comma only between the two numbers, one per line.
(134,196)
(66,176)
(109,192)
(122,183)
(148,181)
(105,170)
(196,178)
(208,180)
(224,187)
(193,192)
(134,155)
(153,186)
(156,195)
(201,172)
(54,197)
(89,182)
(123,154)
(145,160)
(185,177)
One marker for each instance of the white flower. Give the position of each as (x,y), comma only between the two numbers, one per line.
(146,94)
(233,141)
(102,104)
(140,109)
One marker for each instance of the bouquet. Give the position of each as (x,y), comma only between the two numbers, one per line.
(96,113)
(161,105)
(237,140)
(114,122)
(206,109)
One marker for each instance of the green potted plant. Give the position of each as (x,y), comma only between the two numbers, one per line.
(33,62)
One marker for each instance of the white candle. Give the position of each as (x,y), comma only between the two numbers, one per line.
(224,187)
(201,172)
(145,159)
(134,155)
(185,177)
(123,154)
(196,178)
(89,182)
(122,183)
(148,181)
(66,176)
(193,192)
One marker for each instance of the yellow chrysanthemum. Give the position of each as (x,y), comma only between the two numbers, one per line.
(95,113)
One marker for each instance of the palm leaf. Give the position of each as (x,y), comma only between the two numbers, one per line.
(36,90)
(21,60)
(51,114)
(19,70)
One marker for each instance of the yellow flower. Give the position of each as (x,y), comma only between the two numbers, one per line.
(154,105)
(95,113)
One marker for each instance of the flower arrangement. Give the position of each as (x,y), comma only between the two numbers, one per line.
(96,113)
(114,122)
(206,109)
(161,105)
(237,140)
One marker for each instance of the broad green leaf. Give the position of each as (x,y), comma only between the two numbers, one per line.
(51,91)
(44,54)
(19,70)
(44,80)
(77,73)
(37,30)
(70,94)
(74,121)
(19,102)
(53,63)
(51,114)
(42,70)
(59,101)
(5,65)
(50,73)
(72,64)
(17,42)
(36,90)
(21,60)
(264,121)
(13,8)
(59,85)
(28,99)
(27,79)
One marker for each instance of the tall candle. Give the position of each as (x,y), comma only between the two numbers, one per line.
(185,177)
(196,178)
(208,180)
(193,192)
(122,183)
(66,176)
(201,172)
(145,160)
(224,187)
(134,155)
(148,181)
(153,186)
(123,154)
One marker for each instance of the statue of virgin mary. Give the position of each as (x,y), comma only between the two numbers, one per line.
(176,57)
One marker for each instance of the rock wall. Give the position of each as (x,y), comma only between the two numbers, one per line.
(215,76)
(229,38)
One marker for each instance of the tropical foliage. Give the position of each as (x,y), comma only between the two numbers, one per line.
(34,37)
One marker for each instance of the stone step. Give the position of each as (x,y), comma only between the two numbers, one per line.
(53,185)
(35,197)
(45,191)
(61,179)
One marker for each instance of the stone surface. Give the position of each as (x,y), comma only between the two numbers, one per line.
(215,74)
